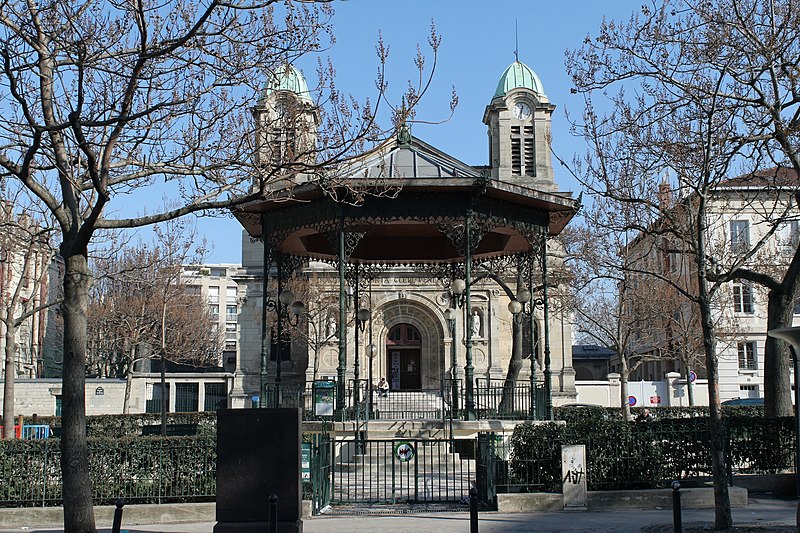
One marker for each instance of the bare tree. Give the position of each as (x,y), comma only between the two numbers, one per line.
(699,83)
(109,100)
(612,300)
(25,257)
(313,329)
(140,308)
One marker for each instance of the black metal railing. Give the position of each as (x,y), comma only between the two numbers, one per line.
(400,471)
(494,399)
(499,399)
(141,470)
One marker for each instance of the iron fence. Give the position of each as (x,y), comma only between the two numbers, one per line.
(402,471)
(139,470)
(494,399)
(498,399)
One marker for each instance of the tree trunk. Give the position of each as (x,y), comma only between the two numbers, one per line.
(514,366)
(722,503)
(77,488)
(10,376)
(777,388)
(623,387)
(126,402)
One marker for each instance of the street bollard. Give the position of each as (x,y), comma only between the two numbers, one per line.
(273,513)
(473,510)
(676,506)
(115,527)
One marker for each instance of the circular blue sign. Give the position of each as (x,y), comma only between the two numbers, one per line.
(631,400)
(692,376)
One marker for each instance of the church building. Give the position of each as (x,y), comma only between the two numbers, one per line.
(400,314)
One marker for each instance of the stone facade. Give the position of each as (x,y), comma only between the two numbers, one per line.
(408,328)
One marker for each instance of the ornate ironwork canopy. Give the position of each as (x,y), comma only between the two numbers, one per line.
(420,222)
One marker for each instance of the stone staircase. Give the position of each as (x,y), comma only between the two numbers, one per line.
(408,405)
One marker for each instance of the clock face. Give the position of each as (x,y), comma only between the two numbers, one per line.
(522,110)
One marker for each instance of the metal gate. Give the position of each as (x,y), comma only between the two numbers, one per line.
(402,470)
(319,488)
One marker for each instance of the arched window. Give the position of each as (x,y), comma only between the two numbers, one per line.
(404,335)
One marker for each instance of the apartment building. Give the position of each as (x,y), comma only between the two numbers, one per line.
(753,221)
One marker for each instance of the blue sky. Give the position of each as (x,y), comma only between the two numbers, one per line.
(477,46)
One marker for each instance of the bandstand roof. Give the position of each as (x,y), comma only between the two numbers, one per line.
(407,203)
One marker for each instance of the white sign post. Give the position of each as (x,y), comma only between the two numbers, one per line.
(573,477)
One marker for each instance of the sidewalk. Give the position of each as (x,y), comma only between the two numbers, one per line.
(774,514)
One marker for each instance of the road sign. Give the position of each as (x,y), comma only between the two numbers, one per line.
(404,451)
(692,376)
(631,400)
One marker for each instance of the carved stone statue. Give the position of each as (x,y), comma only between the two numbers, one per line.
(475,323)
(330,327)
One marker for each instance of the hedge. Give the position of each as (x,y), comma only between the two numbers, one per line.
(629,455)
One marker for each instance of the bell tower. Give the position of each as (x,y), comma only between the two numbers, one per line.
(518,119)
(286,130)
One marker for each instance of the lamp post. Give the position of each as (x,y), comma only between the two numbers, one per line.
(288,309)
(373,351)
(362,317)
(450,315)
(459,297)
(792,337)
(523,305)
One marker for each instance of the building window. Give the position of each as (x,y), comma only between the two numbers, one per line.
(523,153)
(740,236)
(186,397)
(404,334)
(789,237)
(743,297)
(213,295)
(231,295)
(230,313)
(216,396)
(747,355)
(230,336)
(155,397)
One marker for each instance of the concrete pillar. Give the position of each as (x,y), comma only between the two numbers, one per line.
(614,390)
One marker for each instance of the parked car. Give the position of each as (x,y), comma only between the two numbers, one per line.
(744,401)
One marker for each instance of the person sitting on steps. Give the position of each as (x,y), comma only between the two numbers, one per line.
(383,388)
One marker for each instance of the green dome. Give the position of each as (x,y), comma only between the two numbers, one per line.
(286,78)
(519,74)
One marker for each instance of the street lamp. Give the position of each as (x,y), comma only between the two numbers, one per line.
(792,337)
(523,305)
(450,315)
(288,309)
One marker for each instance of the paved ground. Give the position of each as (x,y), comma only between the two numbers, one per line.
(763,514)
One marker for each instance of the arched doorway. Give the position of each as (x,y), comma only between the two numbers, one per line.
(403,351)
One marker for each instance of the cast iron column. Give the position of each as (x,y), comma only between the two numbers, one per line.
(266,260)
(534,407)
(279,330)
(453,363)
(342,368)
(469,413)
(548,390)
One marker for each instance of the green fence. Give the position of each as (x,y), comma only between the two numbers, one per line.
(620,455)
(141,470)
